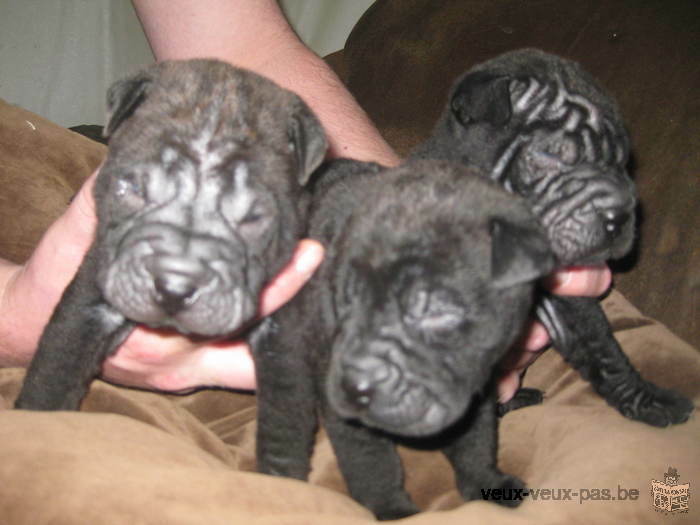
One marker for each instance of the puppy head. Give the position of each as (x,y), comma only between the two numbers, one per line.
(434,288)
(198,200)
(543,128)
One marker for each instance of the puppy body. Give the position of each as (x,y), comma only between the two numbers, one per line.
(427,280)
(399,333)
(544,129)
(199,202)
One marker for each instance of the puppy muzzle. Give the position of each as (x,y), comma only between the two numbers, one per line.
(162,276)
(377,388)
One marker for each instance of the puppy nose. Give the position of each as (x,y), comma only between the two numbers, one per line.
(360,380)
(613,221)
(175,280)
(358,390)
(173,290)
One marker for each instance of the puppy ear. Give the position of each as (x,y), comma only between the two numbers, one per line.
(307,140)
(482,97)
(519,253)
(123,97)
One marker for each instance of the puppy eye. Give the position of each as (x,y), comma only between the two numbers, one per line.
(255,215)
(435,311)
(565,150)
(440,321)
(130,186)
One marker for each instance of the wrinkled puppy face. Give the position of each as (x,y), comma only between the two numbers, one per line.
(198,199)
(426,313)
(544,129)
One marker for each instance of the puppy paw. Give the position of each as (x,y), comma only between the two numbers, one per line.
(656,406)
(524,397)
(394,510)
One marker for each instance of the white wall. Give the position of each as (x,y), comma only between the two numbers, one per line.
(57,57)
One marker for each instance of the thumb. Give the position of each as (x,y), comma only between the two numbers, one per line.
(307,257)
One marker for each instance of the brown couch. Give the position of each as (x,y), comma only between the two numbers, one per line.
(149,458)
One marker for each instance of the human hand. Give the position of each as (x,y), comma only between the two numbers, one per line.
(588,281)
(148,358)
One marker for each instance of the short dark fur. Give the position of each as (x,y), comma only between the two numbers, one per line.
(543,128)
(200,202)
(428,278)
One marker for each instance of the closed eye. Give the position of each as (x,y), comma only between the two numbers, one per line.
(435,311)
(442,321)
(255,214)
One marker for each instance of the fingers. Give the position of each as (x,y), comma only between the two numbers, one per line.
(167,361)
(589,281)
(508,385)
(535,337)
(229,366)
(525,352)
(288,282)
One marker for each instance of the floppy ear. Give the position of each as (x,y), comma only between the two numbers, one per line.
(123,97)
(519,253)
(307,140)
(481,97)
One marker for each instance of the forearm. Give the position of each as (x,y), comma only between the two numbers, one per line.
(254,34)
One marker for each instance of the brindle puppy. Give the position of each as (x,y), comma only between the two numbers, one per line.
(199,202)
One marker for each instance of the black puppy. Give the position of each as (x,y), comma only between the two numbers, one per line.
(428,279)
(199,203)
(543,128)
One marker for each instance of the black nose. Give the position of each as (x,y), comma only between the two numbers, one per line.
(173,290)
(614,221)
(361,378)
(358,390)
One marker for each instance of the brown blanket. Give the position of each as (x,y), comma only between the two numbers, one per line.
(139,457)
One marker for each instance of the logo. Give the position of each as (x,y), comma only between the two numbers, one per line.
(669,496)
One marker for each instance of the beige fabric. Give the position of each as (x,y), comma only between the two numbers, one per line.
(141,457)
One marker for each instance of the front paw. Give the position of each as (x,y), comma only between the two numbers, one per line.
(394,510)
(283,466)
(655,406)
(502,489)
(524,397)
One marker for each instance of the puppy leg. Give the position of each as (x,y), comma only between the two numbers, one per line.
(287,418)
(524,397)
(82,332)
(371,467)
(582,335)
(473,455)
